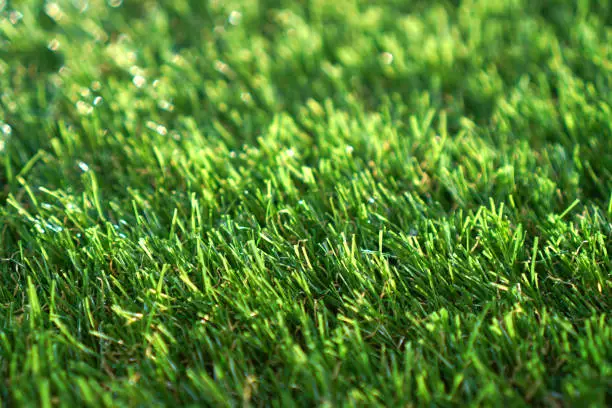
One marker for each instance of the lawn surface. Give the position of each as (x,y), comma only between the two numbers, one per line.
(305,202)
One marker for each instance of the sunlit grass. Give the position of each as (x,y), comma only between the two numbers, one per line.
(305,202)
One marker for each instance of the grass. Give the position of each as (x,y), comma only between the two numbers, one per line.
(305,202)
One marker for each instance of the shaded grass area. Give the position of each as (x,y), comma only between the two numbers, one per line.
(305,202)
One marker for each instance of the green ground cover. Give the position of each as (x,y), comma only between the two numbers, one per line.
(299,202)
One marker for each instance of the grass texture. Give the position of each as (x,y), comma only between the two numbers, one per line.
(313,202)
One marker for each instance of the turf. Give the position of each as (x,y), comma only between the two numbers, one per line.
(278,203)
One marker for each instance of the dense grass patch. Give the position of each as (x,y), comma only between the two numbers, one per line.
(305,202)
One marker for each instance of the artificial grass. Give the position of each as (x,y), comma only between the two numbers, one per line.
(277,203)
